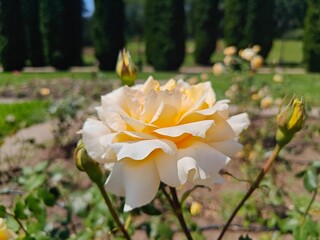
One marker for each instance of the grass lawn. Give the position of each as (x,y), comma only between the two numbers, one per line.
(19,115)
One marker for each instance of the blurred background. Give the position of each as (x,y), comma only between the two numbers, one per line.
(164,34)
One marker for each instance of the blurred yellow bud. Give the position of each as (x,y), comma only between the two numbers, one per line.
(255,97)
(266,102)
(86,164)
(277,78)
(195,208)
(229,51)
(290,120)
(44,91)
(126,69)
(256,62)
(5,233)
(247,54)
(256,48)
(218,69)
(204,77)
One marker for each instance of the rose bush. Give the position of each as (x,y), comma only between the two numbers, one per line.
(175,133)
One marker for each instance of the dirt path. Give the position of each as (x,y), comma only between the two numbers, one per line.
(15,145)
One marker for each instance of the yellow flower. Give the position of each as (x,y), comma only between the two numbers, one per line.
(256,62)
(266,102)
(195,208)
(290,120)
(277,78)
(204,77)
(247,54)
(174,133)
(5,233)
(126,69)
(255,97)
(44,91)
(228,60)
(218,69)
(229,51)
(256,48)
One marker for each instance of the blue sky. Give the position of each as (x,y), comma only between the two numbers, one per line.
(89,6)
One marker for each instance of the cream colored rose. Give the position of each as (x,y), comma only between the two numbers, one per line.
(229,51)
(247,54)
(218,69)
(5,233)
(256,62)
(175,133)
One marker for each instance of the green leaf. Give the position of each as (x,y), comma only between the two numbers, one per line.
(288,224)
(2,211)
(245,238)
(163,231)
(48,198)
(310,179)
(35,181)
(151,210)
(40,167)
(307,230)
(19,210)
(316,165)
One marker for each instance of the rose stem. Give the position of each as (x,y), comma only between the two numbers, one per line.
(178,212)
(112,211)
(252,188)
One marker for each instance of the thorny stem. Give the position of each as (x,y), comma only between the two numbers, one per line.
(178,212)
(315,192)
(112,211)
(252,188)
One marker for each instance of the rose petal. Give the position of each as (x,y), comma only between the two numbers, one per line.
(92,132)
(197,129)
(239,122)
(141,149)
(137,181)
(200,115)
(167,168)
(199,162)
(228,148)
(220,131)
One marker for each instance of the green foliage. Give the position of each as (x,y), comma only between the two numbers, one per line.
(33,34)
(164,33)
(61,26)
(108,32)
(259,25)
(289,16)
(13,48)
(311,42)
(235,15)
(205,24)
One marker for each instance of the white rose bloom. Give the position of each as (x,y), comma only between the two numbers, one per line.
(175,133)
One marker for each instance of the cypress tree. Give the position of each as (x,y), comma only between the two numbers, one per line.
(12,36)
(164,33)
(108,32)
(33,34)
(235,15)
(260,24)
(311,43)
(61,26)
(73,30)
(205,24)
